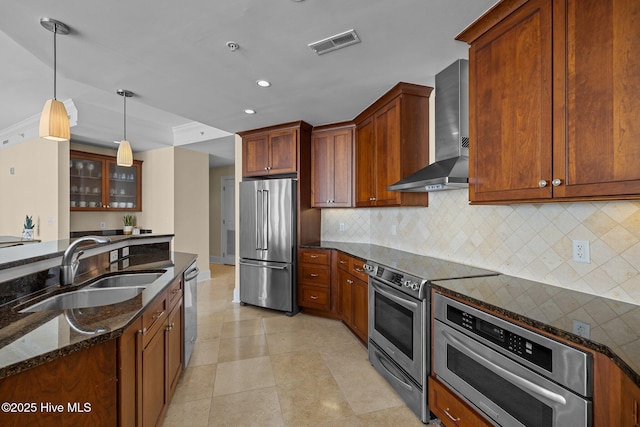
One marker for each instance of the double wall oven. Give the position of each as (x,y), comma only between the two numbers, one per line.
(515,376)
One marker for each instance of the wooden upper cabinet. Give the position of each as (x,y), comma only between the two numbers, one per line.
(392,142)
(552,101)
(274,150)
(332,166)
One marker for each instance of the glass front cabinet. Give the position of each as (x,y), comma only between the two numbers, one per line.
(97,183)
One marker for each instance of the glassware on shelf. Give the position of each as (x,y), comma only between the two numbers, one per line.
(90,168)
(79,167)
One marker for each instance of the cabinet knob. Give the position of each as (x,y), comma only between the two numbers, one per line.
(542,183)
(556,182)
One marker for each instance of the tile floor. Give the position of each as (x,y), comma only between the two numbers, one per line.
(256,367)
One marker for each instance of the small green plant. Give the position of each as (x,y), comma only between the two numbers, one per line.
(28,223)
(128,220)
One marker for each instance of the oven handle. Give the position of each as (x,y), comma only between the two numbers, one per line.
(525,384)
(387,368)
(401,301)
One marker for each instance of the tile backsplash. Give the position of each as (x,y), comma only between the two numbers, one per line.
(533,241)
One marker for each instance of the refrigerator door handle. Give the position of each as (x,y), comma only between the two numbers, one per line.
(272,267)
(265,225)
(258,220)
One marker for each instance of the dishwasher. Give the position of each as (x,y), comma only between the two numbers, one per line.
(190,311)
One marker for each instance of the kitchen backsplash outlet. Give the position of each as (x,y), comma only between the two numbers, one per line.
(533,241)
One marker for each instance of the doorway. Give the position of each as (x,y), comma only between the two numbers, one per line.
(227,217)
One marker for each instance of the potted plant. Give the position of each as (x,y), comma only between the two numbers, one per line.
(27,230)
(128,224)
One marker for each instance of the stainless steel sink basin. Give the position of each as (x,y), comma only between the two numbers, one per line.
(126,280)
(86,298)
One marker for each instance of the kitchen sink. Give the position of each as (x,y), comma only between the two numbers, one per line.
(86,298)
(126,280)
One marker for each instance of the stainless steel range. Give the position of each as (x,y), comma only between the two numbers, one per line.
(400,320)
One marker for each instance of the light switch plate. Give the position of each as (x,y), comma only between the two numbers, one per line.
(125,251)
(113,255)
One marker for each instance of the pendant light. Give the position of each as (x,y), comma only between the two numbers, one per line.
(54,121)
(125,155)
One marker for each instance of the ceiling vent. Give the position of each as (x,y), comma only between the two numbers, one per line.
(335,42)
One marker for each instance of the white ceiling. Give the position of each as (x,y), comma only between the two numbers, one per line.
(173,56)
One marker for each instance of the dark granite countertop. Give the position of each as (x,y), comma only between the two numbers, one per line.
(26,254)
(428,268)
(615,325)
(31,339)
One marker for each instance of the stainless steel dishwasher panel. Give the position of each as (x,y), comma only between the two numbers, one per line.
(190,311)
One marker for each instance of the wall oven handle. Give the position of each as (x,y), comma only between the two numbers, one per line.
(523,383)
(387,368)
(401,301)
(273,267)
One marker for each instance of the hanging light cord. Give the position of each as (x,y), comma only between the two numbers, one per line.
(125,115)
(55,31)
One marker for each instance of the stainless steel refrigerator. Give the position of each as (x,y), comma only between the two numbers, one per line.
(268,244)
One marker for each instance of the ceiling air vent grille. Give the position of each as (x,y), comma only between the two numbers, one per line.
(335,42)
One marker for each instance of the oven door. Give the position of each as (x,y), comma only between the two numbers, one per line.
(507,392)
(396,325)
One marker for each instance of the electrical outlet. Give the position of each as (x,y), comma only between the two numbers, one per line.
(102,225)
(125,251)
(581,328)
(113,255)
(342,228)
(581,251)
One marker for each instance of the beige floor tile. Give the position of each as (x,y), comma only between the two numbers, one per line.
(243,375)
(310,403)
(212,306)
(210,326)
(367,391)
(298,366)
(316,322)
(205,353)
(285,342)
(249,408)
(279,324)
(343,422)
(196,411)
(240,312)
(243,348)
(354,358)
(196,383)
(332,339)
(398,416)
(242,328)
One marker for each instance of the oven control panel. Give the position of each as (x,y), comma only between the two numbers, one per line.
(510,341)
(401,281)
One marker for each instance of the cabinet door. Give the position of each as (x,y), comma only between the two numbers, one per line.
(283,151)
(129,347)
(87,190)
(124,186)
(255,155)
(342,169)
(360,308)
(345,283)
(153,379)
(365,164)
(322,169)
(596,149)
(510,106)
(174,349)
(387,137)
(450,409)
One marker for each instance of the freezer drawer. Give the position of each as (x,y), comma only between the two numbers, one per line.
(267,284)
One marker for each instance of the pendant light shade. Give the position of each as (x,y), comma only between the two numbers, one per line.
(125,155)
(54,121)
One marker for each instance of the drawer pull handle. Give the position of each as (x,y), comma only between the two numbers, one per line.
(313,275)
(359,270)
(452,418)
(314,297)
(343,261)
(156,317)
(349,281)
(313,256)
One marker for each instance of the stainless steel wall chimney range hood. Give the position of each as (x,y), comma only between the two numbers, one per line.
(451,168)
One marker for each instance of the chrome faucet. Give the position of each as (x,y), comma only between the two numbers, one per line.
(70,259)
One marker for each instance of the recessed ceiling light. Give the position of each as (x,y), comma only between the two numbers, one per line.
(263,83)
(250,111)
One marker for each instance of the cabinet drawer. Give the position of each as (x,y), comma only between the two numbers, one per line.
(450,409)
(174,293)
(343,261)
(315,275)
(153,318)
(314,297)
(315,256)
(357,269)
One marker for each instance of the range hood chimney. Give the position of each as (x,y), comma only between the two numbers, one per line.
(451,168)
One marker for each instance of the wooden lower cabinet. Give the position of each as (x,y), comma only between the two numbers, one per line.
(353,295)
(68,384)
(153,380)
(450,409)
(174,332)
(314,280)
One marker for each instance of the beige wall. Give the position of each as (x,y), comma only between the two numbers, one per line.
(191,198)
(39,188)
(215,214)
(158,191)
